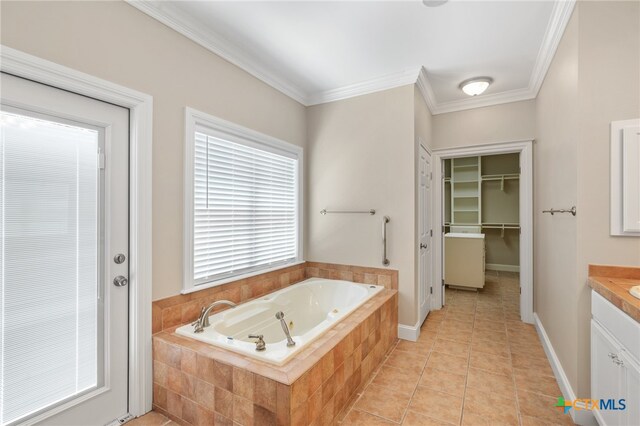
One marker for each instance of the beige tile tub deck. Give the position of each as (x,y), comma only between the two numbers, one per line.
(196,383)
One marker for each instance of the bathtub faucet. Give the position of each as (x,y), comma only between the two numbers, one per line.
(203,319)
(285,328)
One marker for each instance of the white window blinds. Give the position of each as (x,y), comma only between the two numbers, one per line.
(50,314)
(245,215)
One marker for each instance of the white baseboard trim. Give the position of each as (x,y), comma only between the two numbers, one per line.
(581,417)
(409,332)
(499,267)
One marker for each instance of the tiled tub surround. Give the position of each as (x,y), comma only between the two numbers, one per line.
(183,308)
(200,384)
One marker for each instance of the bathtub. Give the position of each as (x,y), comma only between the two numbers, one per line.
(310,308)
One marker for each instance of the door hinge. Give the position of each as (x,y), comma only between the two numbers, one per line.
(430,290)
(100,159)
(431,232)
(443,282)
(430,175)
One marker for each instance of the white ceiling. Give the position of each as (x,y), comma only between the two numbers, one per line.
(321,51)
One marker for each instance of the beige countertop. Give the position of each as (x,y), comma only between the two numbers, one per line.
(613,283)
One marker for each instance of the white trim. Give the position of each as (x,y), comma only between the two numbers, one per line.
(171,16)
(257,65)
(499,267)
(409,332)
(140,106)
(378,84)
(560,16)
(581,417)
(524,148)
(240,134)
(555,29)
(616,169)
(424,86)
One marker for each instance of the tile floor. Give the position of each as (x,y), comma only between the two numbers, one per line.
(475,363)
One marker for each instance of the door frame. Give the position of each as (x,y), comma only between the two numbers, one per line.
(525,149)
(140,107)
(422,144)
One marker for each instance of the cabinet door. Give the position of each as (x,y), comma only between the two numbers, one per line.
(606,374)
(630,390)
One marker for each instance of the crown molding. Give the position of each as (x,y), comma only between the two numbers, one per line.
(194,30)
(426,90)
(172,17)
(560,16)
(555,29)
(378,84)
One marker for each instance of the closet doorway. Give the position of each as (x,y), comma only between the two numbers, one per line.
(483,211)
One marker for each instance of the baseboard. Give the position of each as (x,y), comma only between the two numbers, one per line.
(581,417)
(499,267)
(408,332)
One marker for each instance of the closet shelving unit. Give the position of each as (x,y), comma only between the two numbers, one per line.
(466,197)
(484,192)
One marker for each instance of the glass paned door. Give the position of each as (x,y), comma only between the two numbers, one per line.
(63,324)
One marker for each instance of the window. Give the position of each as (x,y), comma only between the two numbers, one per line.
(242,202)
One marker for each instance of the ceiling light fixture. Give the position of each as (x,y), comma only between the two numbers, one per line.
(475,86)
(434,3)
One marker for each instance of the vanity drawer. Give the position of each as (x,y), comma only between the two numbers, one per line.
(624,328)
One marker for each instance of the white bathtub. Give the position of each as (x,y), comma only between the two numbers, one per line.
(311,308)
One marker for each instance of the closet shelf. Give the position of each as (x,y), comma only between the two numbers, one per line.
(500,226)
(500,178)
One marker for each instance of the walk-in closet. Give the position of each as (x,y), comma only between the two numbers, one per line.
(481,211)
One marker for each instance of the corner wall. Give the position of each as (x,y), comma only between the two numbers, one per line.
(609,90)
(361,156)
(555,185)
(593,80)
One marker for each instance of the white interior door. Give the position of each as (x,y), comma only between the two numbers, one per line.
(425,234)
(64,244)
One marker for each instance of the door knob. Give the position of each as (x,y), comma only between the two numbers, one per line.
(423,246)
(120,281)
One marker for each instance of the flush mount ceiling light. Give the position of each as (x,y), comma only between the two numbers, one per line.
(434,3)
(475,86)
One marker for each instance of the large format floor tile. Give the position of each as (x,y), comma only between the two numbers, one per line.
(475,363)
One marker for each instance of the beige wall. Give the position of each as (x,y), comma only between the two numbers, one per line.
(555,174)
(593,81)
(609,90)
(116,42)
(498,123)
(361,156)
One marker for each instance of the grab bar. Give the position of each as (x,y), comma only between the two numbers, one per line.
(572,210)
(325,211)
(385,220)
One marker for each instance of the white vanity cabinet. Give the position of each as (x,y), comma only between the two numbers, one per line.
(615,369)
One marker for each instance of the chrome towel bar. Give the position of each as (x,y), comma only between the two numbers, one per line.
(325,211)
(572,210)
(385,261)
